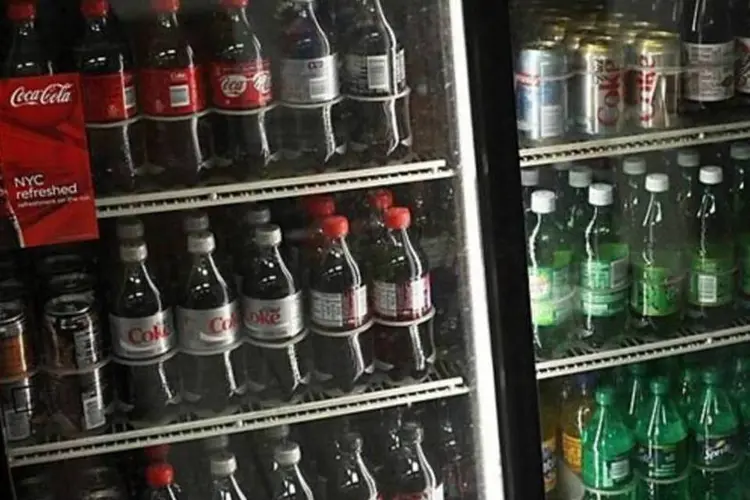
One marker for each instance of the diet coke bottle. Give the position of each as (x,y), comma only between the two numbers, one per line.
(171,94)
(115,137)
(245,248)
(409,471)
(26,56)
(241,92)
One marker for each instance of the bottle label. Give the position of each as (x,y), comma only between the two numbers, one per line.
(238,86)
(141,338)
(208,329)
(716,452)
(172,92)
(94,409)
(339,310)
(109,98)
(711,282)
(549,464)
(742,69)
(17,424)
(376,74)
(604,283)
(403,301)
(274,319)
(656,291)
(709,71)
(572,452)
(662,462)
(550,291)
(309,81)
(603,473)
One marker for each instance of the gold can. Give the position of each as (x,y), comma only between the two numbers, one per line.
(573,39)
(556,19)
(655,79)
(553,31)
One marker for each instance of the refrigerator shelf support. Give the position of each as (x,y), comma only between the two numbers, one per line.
(271,189)
(633,144)
(444,382)
(627,350)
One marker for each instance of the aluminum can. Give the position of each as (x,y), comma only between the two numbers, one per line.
(63,263)
(599,86)
(74,340)
(573,40)
(37,486)
(656,80)
(542,90)
(21,404)
(72,283)
(552,31)
(12,290)
(16,341)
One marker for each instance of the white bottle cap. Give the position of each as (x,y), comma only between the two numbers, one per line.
(201,242)
(562,166)
(223,464)
(257,215)
(133,251)
(287,453)
(216,443)
(710,175)
(129,228)
(739,150)
(657,183)
(600,194)
(634,165)
(529,177)
(542,202)
(268,235)
(195,221)
(688,158)
(579,177)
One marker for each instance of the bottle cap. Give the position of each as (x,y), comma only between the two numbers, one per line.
(579,177)
(157,453)
(319,207)
(278,433)
(605,395)
(382,199)
(563,166)
(335,226)
(159,475)
(257,215)
(739,151)
(268,235)
(234,4)
(688,157)
(223,463)
(216,443)
(711,376)
(600,194)
(201,242)
(95,8)
(529,177)
(165,5)
(129,228)
(287,453)
(657,183)
(21,11)
(133,251)
(397,218)
(542,202)
(412,432)
(710,175)
(195,221)
(634,165)
(660,385)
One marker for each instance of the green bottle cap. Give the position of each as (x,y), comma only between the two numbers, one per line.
(660,386)
(711,376)
(605,395)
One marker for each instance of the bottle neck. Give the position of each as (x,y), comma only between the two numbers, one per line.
(97,24)
(237,15)
(24,28)
(167,19)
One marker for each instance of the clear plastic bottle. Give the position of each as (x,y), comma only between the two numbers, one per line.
(529,184)
(577,210)
(576,413)
(224,483)
(632,195)
(351,478)
(287,481)
(409,471)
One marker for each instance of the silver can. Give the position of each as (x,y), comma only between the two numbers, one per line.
(655,83)
(21,407)
(542,90)
(598,93)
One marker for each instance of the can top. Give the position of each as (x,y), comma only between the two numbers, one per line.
(543,202)
(601,45)
(530,177)
(287,453)
(573,37)
(739,150)
(554,32)
(223,464)
(68,305)
(657,183)
(336,226)
(11,311)
(710,175)
(600,194)
(657,42)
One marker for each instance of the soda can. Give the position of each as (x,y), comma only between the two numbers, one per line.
(656,80)
(72,283)
(599,87)
(542,90)
(74,338)
(16,351)
(21,405)
(37,486)
(64,263)
(573,40)
(552,31)
(13,291)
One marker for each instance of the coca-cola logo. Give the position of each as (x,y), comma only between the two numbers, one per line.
(267,316)
(262,82)
(646,84)
(54,93)
(221,325)
(139,336)
(609,83)
(233,85)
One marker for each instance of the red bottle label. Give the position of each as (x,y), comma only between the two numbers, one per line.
(172,92)
(241,85)
(403,301)
(108,98)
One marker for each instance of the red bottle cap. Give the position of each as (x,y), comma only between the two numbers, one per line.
(336,226)
(320,206)
(157,453)
(20,11)
(165,5)
(381,199)
(397,218)
(159,475)
(95,8)
(234,4)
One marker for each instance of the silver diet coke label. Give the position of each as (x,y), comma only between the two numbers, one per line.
(208,329)
(141,338)
(273,319)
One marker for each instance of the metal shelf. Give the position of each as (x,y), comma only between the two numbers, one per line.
(444,382)
(241,192)
(628,350)
(635,143)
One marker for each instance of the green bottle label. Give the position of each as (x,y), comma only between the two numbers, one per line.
(603,473)
(664,461)
(551,292)
(744,258)
(716,451)
(711,282)
(604,282)
(656,291)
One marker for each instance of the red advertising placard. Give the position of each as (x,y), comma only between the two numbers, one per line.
(44,162)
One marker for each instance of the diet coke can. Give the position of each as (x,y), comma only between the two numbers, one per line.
(656,81)
(21,406)
(142,338)
(74,340)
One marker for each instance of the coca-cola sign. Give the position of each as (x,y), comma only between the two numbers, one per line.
(610,92)
(241,86)
(54,93)
(273,319)
(208,329)
(143,337)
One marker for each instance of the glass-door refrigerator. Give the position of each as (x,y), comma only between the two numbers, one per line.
(241,252)
(628,193)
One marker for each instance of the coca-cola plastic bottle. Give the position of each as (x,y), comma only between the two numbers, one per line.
(450,442)
(351,478)
(313,118)
(172,96)
(242,93)
(409,472)
(318,208)
(340,315)
(382,438)
(288,481)
(369,229)
(115,137)
(161,484)
(265,442)
(245,249)
(26,56)
(143,342)
(402,303)
(224,483)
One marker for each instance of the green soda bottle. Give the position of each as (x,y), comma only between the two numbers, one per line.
(661,436)
(632,196)
(603,271)
(607,451)
(550,276)
(656,294)
(577,210)
(711,289)
(636,393)
(741,394)
(715,453)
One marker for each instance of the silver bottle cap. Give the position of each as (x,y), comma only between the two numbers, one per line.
(201,242)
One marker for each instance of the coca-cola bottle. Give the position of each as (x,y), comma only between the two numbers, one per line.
(450,442)
(143,342)
(409,471)
(208,324)
(264,444)
(224,483)
(241,92)
(115,137)
(369,229)
(351,478)
(340,315)
(375,85)
(313,119)
(382,439)
(402,303)
(172,96)
(245,248)
(26,56)
(288,481)
(161,484)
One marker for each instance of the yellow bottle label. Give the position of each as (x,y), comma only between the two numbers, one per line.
(549,464)
(572,452)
